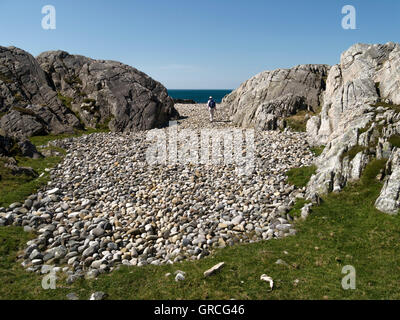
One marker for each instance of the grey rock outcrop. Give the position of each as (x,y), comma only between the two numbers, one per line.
(22,83)
(365,75)
(58,92)
(359,115)
(39,120)
(389,198)
(266,99)
(108,93)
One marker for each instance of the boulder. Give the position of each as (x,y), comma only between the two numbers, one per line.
(23,83)
(58,92)
(359,114)
(108,93)
(268,97)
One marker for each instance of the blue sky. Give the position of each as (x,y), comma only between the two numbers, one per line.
(208,44)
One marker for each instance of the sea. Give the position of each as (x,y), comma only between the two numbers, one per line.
(200,96)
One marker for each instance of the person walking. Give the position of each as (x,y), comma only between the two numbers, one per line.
(211,108)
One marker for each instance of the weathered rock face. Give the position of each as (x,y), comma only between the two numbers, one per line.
(359,115)
(22,83)
(365,75)
(262,101)
(39,120)
(65,92)
(389,199)
(108,93)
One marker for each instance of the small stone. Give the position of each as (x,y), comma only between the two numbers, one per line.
(214,269)
(37,262)
(15,205)
(72,278)
(282,262)
(90,251)
(99,295)
(53,191)
(98,232)
(72,296)
(237,220)
(28,229)
(92,274)
(222,226)
(179,277)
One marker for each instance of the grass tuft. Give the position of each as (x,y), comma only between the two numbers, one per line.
(317,151)
(395,141)
(299,177)
(43,140)
(352,152)
(16,188)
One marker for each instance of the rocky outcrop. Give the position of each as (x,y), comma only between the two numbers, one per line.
(360,114)
(39,120)
(59,92)
(358,118)
(108,93)
(266,99)
(22,83)
(389,198)
(366,74)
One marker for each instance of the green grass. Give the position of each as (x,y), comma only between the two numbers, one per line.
(394,107)
(296,210)
(73,80)
(351,153)
(66,101)
(104,126)
(43,140)
(88,100)
(299,177)
(298,122)
(344,230)
(16,188)
(317,151)
(395,141)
